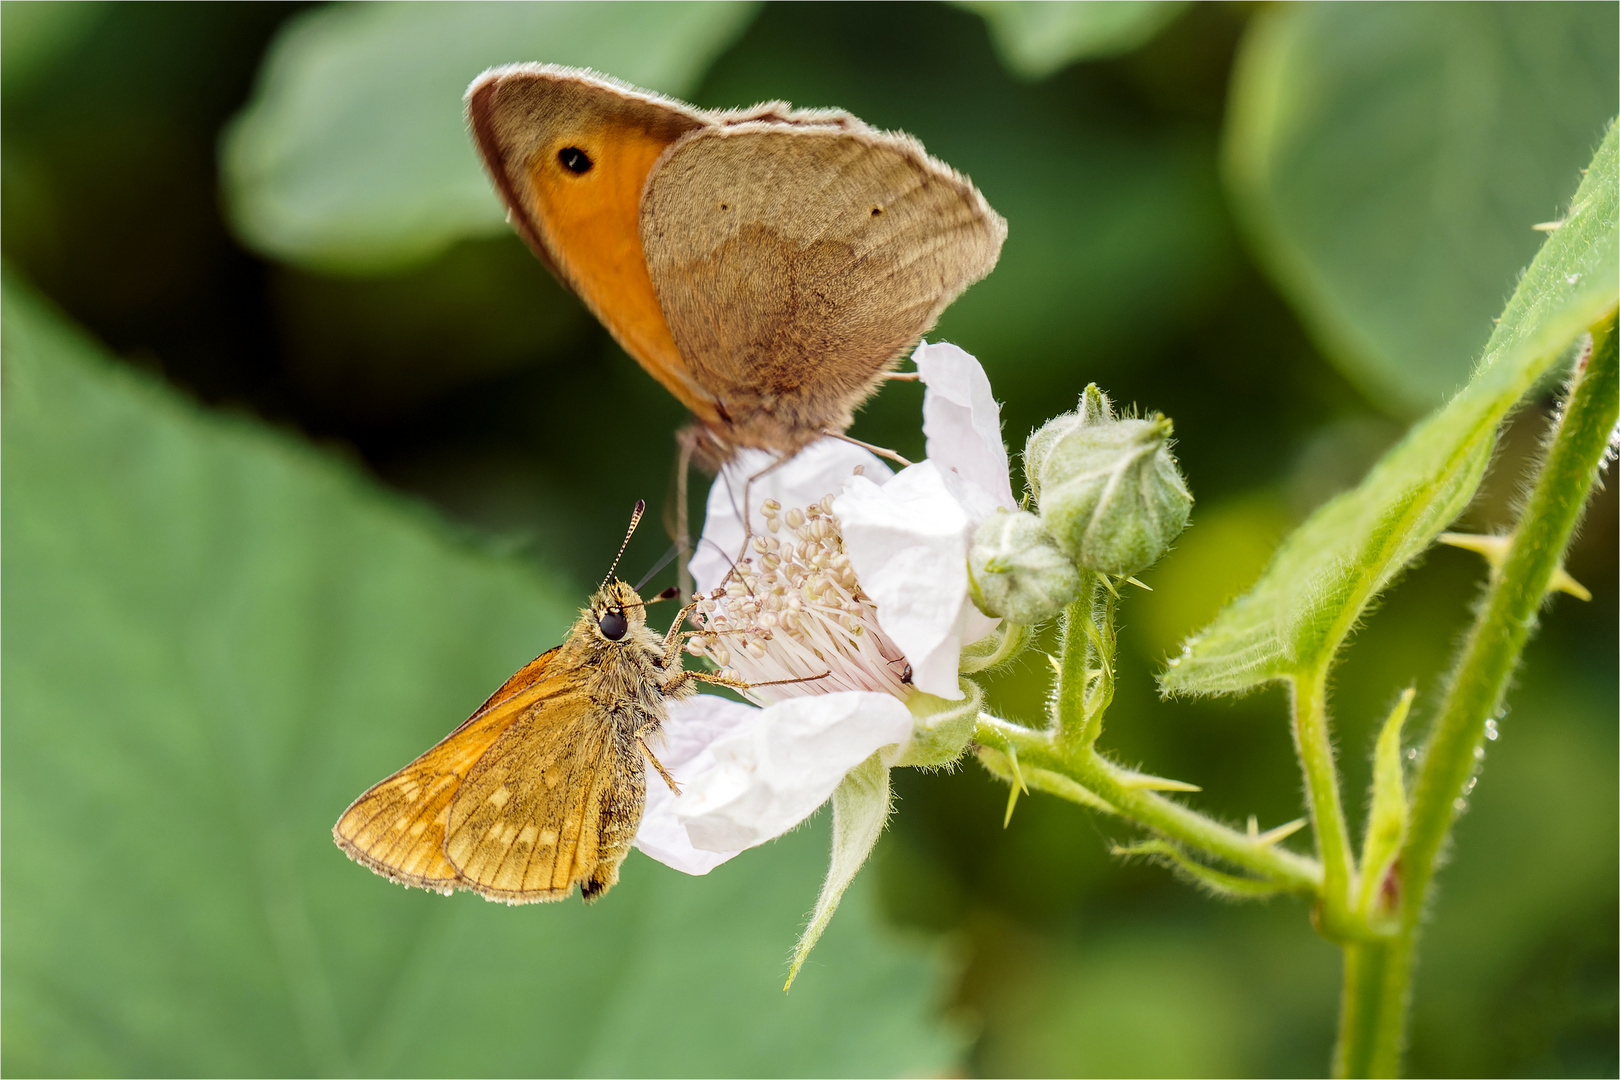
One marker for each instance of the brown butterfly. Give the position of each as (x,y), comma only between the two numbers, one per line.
(543,786)
(767,265)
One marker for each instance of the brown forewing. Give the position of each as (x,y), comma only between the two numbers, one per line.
(795,264)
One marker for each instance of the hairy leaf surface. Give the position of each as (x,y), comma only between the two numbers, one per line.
(1323,576)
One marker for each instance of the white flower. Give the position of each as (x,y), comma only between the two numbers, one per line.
(855,584)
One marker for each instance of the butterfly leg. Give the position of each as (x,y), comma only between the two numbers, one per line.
(880,451)
(725,680)
(676,636)
(747,507)
(652,757)
(683,533)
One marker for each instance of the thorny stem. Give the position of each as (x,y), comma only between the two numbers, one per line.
(1378,976)
(1085,688)
(1118,787)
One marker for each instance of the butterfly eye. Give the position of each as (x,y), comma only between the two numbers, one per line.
(574,159)
(613,624)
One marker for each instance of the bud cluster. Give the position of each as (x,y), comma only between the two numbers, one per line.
(1110,499)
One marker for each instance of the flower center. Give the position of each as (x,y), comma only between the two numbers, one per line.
(792,609)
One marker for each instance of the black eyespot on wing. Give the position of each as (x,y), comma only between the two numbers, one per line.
(613,624)
(574,159)
(876,210)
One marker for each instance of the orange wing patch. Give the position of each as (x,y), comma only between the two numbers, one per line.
(397,827)
(592,220)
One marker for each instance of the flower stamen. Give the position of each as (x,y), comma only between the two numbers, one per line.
(793,609)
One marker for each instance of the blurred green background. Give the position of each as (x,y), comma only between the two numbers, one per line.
(328,454)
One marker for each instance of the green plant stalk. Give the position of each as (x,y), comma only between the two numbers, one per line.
(1073,719)
(1088,663)
(1039,750)
(1068,750)
(1314,744)
(1378,976)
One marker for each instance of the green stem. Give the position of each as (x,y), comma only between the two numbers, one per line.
(1314,743)
(1367,977)
(1100,632)
(1074,720)
(1378,977)
(1118,787)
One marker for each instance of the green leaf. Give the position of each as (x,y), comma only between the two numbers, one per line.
(216,638)
(861,805)
(38,34)
(1035,38)
(353,154)
(1320,581)
(1386,821)
(1389,161)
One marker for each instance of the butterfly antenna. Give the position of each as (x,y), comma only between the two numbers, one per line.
(635,519)
(659,565)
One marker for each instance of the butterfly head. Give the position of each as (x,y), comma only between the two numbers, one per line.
(617,611)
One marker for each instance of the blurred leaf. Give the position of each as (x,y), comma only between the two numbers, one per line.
(38,33)
(1389,161)
(1037,37)
(1212,562)
(353,154)
(216,638)
(1324,575)
(1140,1002)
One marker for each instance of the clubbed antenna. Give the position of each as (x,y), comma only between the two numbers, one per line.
(635,519)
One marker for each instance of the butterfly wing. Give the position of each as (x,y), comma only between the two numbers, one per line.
(555,801)
(584,225)
(793,263)
(397,827)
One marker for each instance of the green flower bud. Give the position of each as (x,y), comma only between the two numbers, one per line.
(1094,409)
(1016,572)
(1112,496)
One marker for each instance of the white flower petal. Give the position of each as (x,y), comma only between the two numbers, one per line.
(694,724)
(819,469)
(772,774)
(962,420)
(908,541)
